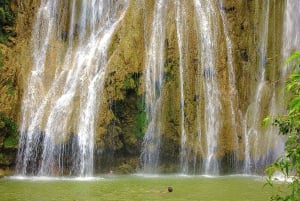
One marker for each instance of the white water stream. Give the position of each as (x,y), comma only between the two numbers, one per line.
(153,86)
(65,104)
(207,26)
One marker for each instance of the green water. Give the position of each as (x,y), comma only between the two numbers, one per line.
(136,188)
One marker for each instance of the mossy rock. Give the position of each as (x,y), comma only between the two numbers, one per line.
(10,142)
(125,169)
(7,172)
(4,160)
(127,165)
(8,132)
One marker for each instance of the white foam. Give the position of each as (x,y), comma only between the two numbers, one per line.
(44,178)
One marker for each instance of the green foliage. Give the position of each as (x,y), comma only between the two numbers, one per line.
(10,90)
(10,142)
(131,84)
(131,81)
(9,83)
(7,18)
(294,60)
(1,63)
(288,164)
(141,117)
(8,128)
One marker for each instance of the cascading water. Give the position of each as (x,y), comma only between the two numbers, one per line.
(233,94)
(291,38)
(214,121)
(271,145)
(182,35)
(252,133)
(208,33)
(291,41)
(154,84)
(61,103)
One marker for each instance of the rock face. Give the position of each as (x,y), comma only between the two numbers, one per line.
(16,60)
(239,27)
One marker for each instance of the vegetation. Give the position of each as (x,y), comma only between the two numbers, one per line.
(1,63)
(141,117)
(8,129)
(7,19)
(288,164)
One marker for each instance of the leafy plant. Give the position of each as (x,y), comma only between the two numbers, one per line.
(8,128)
(288,163)
(7,18)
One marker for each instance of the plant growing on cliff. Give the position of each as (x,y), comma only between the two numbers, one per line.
(289,125)
(8,129)
(7,18)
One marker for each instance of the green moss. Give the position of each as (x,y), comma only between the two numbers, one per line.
(10,90)
(10,142)
(131,81)
(4,159)
(141,117)
(10,84)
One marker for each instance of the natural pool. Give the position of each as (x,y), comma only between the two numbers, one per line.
(136,188)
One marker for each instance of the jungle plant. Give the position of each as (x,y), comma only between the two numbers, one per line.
(288,163)
(8,129)
(7,18)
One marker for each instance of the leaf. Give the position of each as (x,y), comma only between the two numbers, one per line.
(266,121)
(295,56)
(295,105)
(288,164)
(295,76)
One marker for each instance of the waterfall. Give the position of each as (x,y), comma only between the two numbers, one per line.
(291,38)
(190,69)
(271,145)
(233,94)
(182,35)
(253,120)
(207,26)
(290,42)
(61,102)
(153,86)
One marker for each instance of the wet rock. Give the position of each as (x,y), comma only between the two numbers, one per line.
(228,9)
(244,55)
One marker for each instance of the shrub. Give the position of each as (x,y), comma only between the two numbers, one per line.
(288,163)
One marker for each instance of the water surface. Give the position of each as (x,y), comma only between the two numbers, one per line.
(135,188)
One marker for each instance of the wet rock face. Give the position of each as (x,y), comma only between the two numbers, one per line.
(15,59)
(244,21)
